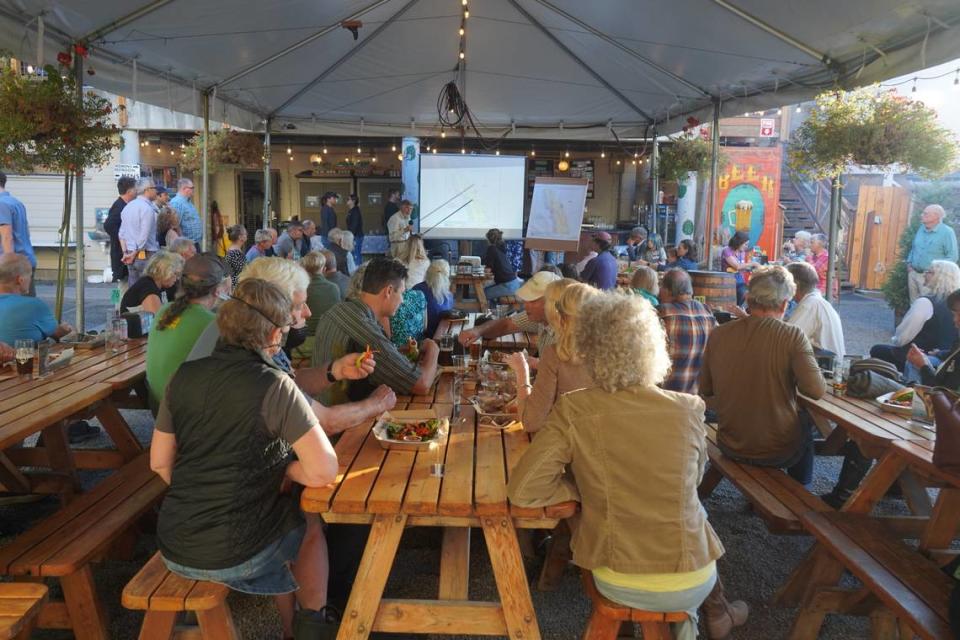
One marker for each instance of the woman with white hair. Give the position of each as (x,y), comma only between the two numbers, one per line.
(335,244)
(799,248)
(162,272)
(347,242)
(413,254)
(928,323)
(643,532)
(436,289)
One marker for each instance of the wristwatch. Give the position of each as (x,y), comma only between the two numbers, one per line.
(330,377)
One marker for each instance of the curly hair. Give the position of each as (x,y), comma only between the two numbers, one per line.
(563,314)
(164,265)
(621,341)
(944,278)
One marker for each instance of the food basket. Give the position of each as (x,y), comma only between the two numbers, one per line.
(906,410)
(497,418)
(86,341)
(381,429)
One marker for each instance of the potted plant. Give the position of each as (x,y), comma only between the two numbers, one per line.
(686,153)
(226,147)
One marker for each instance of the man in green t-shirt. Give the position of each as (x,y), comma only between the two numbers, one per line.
(181,322)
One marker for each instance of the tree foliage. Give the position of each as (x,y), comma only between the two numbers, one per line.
(688,152)
(872,128)
(43,126)
(226,148)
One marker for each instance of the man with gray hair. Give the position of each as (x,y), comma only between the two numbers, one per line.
(934,241)
(753,369)
(332,273)
(138,230)
(688,324)
(314,243)
(815,316)
(636,244)
(262,242)
(23,317)
(187,213)
(292,243)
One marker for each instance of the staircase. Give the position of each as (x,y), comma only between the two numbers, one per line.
(797,216)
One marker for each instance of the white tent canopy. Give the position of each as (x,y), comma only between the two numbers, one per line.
(535,64)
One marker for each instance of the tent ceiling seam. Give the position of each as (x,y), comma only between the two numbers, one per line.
(349,54)
(777,33)
(123,21)
(534,22)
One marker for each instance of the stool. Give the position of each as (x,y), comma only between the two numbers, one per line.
(607,617)
(163,595)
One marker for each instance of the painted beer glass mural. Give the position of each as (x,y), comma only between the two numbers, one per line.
(748,192)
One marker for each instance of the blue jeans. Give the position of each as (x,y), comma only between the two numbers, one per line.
(494,291)
(799,465)
(912,374)
(266,574)
(358,250)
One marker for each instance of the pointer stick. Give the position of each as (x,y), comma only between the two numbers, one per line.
(423,233)
(445,203)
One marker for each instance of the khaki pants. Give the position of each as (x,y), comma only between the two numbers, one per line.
(915,285)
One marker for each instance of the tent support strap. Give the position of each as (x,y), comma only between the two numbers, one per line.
(655,187)
(80,275)
(711,216)
(266,174)
(205,173)
(835,199)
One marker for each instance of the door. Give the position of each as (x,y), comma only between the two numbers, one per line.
(250,186)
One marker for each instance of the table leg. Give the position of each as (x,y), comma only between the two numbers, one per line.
(504,551)
(118,430)
(942,527)
(11,478)
(915,494)
(481,295)
(880,478)
(61,456)
(455,564)
(375,567)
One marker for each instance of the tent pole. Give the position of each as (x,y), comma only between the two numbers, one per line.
(205,171)
(711,216)
(655,185)
(266,174)
(835,198)
(78,70)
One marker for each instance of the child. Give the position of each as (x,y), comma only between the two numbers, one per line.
(655,256)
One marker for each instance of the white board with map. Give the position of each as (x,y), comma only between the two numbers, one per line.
(556,213)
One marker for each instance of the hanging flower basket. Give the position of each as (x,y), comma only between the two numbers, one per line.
(226,148)
(872,128)
(686,153)
(44,126)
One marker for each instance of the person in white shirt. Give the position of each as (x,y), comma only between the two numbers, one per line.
(413,254)
(399,227)
(814,314)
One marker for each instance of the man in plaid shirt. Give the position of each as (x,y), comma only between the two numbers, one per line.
(688,324)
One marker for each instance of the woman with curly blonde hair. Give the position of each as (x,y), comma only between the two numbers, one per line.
(560,369)
(637,453)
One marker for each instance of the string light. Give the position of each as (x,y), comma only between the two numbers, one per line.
(498,152)
(914,89)
(289,150)
(434,150)
(779,112)
(183,146)
(602,154)
(324,150)
(373,159)
(466,13)
(618,162)
(799,109)
(393,147)
(400,157)
(443,134)
(461,31)
(291,158)
(358,150)
(566,154)
(463,150)
(533,153)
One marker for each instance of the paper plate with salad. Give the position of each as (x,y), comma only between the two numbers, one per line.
(411,430)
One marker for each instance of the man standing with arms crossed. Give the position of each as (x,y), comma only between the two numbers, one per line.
(14,230)
(138,230)
(934,241)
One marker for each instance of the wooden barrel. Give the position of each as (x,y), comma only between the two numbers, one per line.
(718,290)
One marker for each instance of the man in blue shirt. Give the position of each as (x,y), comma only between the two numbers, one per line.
(189,218)
(14,231)
(138,230)
(934,241)
(262,242)
(23,317)
(601,272)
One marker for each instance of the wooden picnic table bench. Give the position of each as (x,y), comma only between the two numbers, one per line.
(392,489)
(64,545)
(19,605)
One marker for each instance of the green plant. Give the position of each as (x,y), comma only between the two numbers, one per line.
(895,289)
(873,128)
(44,126)
(226,148)
(686,153)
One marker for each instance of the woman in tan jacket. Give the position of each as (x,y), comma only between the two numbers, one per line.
(637,453)
(560,369)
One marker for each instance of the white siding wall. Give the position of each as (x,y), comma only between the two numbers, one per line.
(43,197)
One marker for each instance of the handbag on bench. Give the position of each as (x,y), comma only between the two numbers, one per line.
(945,405)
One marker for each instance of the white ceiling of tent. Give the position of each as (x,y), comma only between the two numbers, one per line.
(536,63)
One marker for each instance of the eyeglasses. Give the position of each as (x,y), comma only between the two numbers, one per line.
(289,322)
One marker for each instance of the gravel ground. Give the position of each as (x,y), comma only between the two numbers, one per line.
(755,565)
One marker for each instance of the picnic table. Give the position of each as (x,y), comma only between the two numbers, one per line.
(462,282)
(391,490)
(95,382)
(511,342)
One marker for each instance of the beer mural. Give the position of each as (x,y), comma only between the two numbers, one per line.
(748,192)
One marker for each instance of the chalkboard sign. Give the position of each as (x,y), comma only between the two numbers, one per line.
(582,169)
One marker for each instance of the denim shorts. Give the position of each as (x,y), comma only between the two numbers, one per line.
(265,574)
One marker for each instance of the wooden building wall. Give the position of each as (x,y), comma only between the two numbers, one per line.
(882,215)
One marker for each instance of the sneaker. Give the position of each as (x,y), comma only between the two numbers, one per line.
(81,431)
(322,624)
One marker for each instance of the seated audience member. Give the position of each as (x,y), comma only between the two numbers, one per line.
(436,289)
(686,256)
(813,314)
(162,272)
(183,247)
(322,294)
(274,238)
(262,245)
(235,258)
(799,248)
(335,244)
(505,280)
(314,241)
(23,317)
(292,244)
(168,227)
(551,268)
(595,434)
(414,256)
(753,370)
(531,320)
(928,323)
(333,273)
(180,323)
(355,325)
(601,272)
(262,544)
(583,262)
(561,368)
(569,270)
(655,255)
(939,368)
(409,321)
(688,324)
(292,279)
(636,244)
(733,259)
(349,243)
(646,283)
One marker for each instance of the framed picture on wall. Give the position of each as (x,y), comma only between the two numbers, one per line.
(311,202)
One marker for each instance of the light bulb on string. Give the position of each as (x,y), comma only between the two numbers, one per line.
(289,150)
(498,152)
(373,159)
(618,162)
(183,146)
(434,150)
(324,151)
(533,153)
(634,162)
(358,150)
(464,2)
(462,31)
(393,147)
(463,150)
(566,154)
(799,109)
(400,157)
(914,89)
(779,112)
(466,13)
(462,55)
(443,134)
(602,154)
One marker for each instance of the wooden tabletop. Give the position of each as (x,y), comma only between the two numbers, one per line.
(20,604)
(510,342)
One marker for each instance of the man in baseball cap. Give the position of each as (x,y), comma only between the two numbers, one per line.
(601,272)
(531,320)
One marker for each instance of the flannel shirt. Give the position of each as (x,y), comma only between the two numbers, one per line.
(688,325)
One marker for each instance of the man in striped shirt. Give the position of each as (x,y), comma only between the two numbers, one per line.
(688,324)
(355,324)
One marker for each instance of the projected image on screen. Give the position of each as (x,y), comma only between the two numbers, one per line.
(462,196)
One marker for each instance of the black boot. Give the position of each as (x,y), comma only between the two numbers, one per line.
(855,467)
(316,625)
